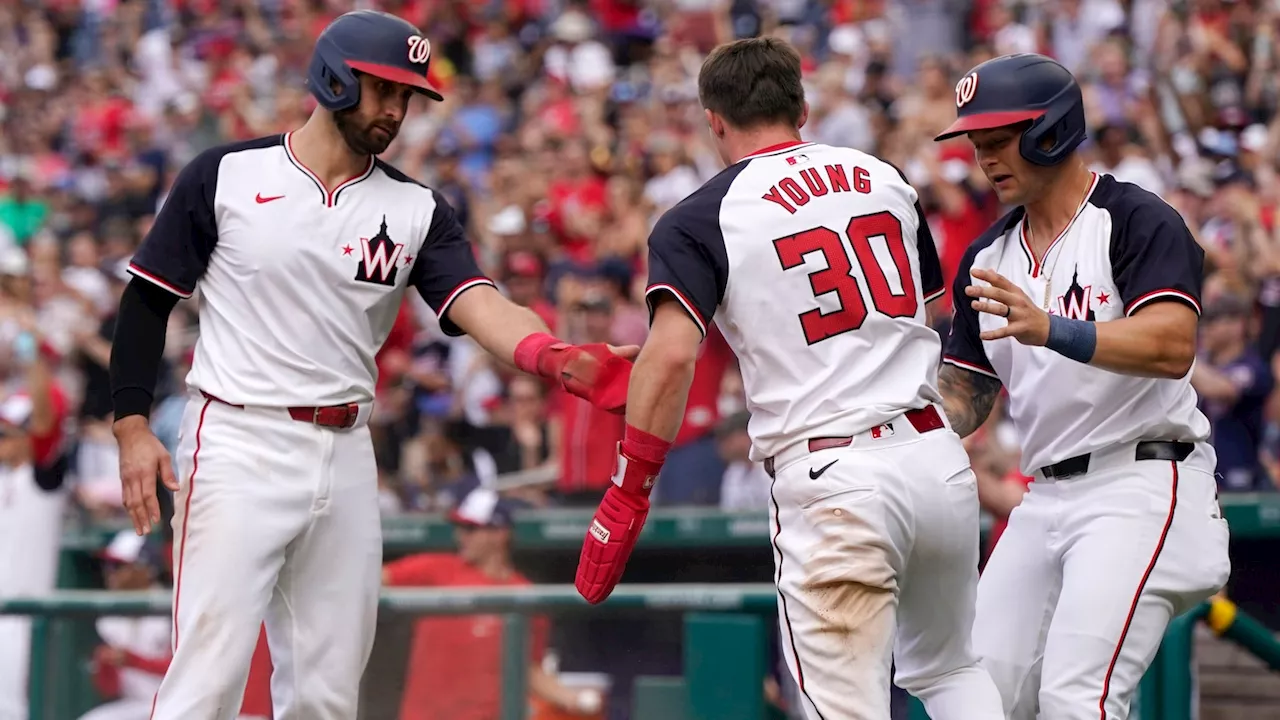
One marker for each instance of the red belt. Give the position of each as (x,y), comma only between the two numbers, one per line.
(334,416)
(924,420)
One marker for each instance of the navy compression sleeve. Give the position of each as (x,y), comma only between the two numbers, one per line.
(138,346)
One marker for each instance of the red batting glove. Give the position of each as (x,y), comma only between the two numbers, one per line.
(592,372)
(620,518)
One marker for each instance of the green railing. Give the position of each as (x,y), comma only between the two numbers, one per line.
(515,604)
(1251,515)
(717,616)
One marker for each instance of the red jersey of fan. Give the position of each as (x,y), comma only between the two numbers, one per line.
(455,663)
(589,438)
(702,411)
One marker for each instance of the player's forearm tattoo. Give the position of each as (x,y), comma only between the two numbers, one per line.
(967,397)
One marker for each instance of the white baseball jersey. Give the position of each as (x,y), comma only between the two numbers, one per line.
(300,285)
(1125,249)
(146,637)
(816,263)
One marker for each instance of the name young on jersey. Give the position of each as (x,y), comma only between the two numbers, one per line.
(789,194)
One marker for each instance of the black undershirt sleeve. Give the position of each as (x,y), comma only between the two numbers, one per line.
(138,346)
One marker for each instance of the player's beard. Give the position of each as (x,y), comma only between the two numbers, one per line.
(362,139)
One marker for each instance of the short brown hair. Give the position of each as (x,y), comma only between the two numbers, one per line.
(753,82)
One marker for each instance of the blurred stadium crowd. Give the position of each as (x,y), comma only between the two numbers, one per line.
(568,127)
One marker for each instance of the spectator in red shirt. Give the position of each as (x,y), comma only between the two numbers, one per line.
(587,437)
(578,200)
(694,469)
(455,662)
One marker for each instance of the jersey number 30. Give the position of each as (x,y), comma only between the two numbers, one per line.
(837,277)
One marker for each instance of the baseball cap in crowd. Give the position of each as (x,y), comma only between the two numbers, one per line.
(483,508)
(1218,142)
(1253,138)
(508,221)
(573,27)
(1228,173)
(523,264)
(14,261)
(617,271)
(15,411)
(731,424)
(446,146)
(626,91)
(595,302)
(125,548)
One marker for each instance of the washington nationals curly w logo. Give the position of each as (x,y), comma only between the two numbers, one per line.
(379,256)
(966,89)
(419,49)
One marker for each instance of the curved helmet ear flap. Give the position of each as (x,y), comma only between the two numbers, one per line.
(1063,123)
(328,66)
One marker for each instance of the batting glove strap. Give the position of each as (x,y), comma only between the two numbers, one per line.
(531,355)
(640,458)
(610,539)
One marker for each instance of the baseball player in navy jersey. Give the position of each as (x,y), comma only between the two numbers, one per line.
(816,264)
(302,247)
(1082,303)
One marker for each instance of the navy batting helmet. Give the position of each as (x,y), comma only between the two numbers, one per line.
(1016,88)
(372,42)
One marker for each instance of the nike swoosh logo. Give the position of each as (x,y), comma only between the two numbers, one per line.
(815,474)
(261,199)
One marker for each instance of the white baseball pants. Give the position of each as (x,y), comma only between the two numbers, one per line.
(1076,598)
(127,709)
(275,519)
(877,561)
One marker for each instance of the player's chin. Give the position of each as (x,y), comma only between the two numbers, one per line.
(372,141)
(1007,190)
(377,142)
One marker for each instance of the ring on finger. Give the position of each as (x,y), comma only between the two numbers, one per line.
(1007,311)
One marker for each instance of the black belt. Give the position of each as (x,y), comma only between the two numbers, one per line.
(1146,450)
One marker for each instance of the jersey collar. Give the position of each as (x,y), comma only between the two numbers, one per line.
(1037,264)
(330,197)
(774,149)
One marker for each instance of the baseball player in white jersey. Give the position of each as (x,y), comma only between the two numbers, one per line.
(1082,302)
(33,496)
(135,650)
(302,246)
(816,263)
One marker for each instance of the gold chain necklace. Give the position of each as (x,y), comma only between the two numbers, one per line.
(1048,276)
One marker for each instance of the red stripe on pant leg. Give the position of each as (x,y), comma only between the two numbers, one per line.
(1133,606)
(186,522)
(791,636)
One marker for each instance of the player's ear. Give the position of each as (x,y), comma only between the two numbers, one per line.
(804,115)
(715,124)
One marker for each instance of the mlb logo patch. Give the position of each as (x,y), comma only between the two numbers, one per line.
(797,159)
(882,431)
